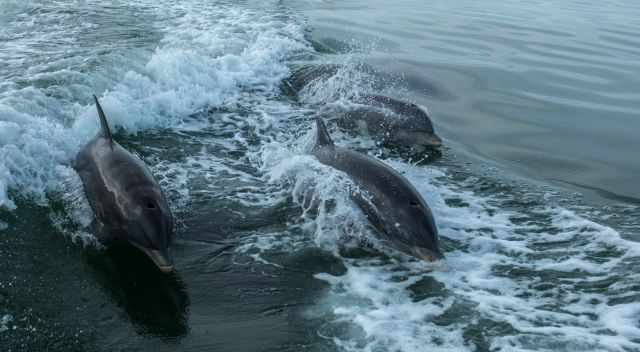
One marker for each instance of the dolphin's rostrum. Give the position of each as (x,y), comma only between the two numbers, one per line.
(126,199)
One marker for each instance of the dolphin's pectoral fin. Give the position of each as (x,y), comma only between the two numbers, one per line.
(106,132)
(322,135)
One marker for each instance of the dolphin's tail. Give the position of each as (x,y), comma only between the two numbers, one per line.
(106,132)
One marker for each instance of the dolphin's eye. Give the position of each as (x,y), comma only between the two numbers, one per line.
(150,205)
(413,203)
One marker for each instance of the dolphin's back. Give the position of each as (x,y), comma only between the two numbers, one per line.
(366,172)
(408,115)
(386,188)
(108,171)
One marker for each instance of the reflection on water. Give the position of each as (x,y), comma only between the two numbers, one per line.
(156,303)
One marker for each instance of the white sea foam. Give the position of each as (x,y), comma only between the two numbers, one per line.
(4,322)
(347,82)
(209,56)
(518,279)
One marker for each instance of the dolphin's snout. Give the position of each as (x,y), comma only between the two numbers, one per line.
(415,139)
(163,261)
(433,141)
(161,258)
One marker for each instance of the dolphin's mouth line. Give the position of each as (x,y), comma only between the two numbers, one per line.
(423,139)
(162,261)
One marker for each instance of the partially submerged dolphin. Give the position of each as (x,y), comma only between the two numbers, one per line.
(392,205)
(127,201)
(391,121)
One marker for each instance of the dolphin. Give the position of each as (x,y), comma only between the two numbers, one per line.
(393,122)
(393,206)
(128,203)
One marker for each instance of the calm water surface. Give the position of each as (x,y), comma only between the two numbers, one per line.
(534,193)
(548,89)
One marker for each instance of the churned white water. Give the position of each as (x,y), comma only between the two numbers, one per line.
(194,66)
(541,277)
(4,322)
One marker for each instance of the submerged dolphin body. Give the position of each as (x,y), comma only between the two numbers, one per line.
(392,205)
(396,123)
(127,201)
(393,122)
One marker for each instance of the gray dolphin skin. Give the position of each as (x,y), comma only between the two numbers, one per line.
(307,74)
(394,122)
(127,201)
(392,205)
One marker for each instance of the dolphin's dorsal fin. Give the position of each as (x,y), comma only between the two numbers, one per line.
(322,135)
(106,132)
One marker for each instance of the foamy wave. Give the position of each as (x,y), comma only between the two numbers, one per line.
(209,56)
(4,322)
(517,278)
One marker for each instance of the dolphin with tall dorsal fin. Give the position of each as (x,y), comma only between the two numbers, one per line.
(128,203)
(392,205)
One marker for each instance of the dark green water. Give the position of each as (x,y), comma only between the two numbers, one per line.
(534,193)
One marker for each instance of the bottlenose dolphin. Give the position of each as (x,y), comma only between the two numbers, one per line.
(393,122)
(127,201)
(392,205)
